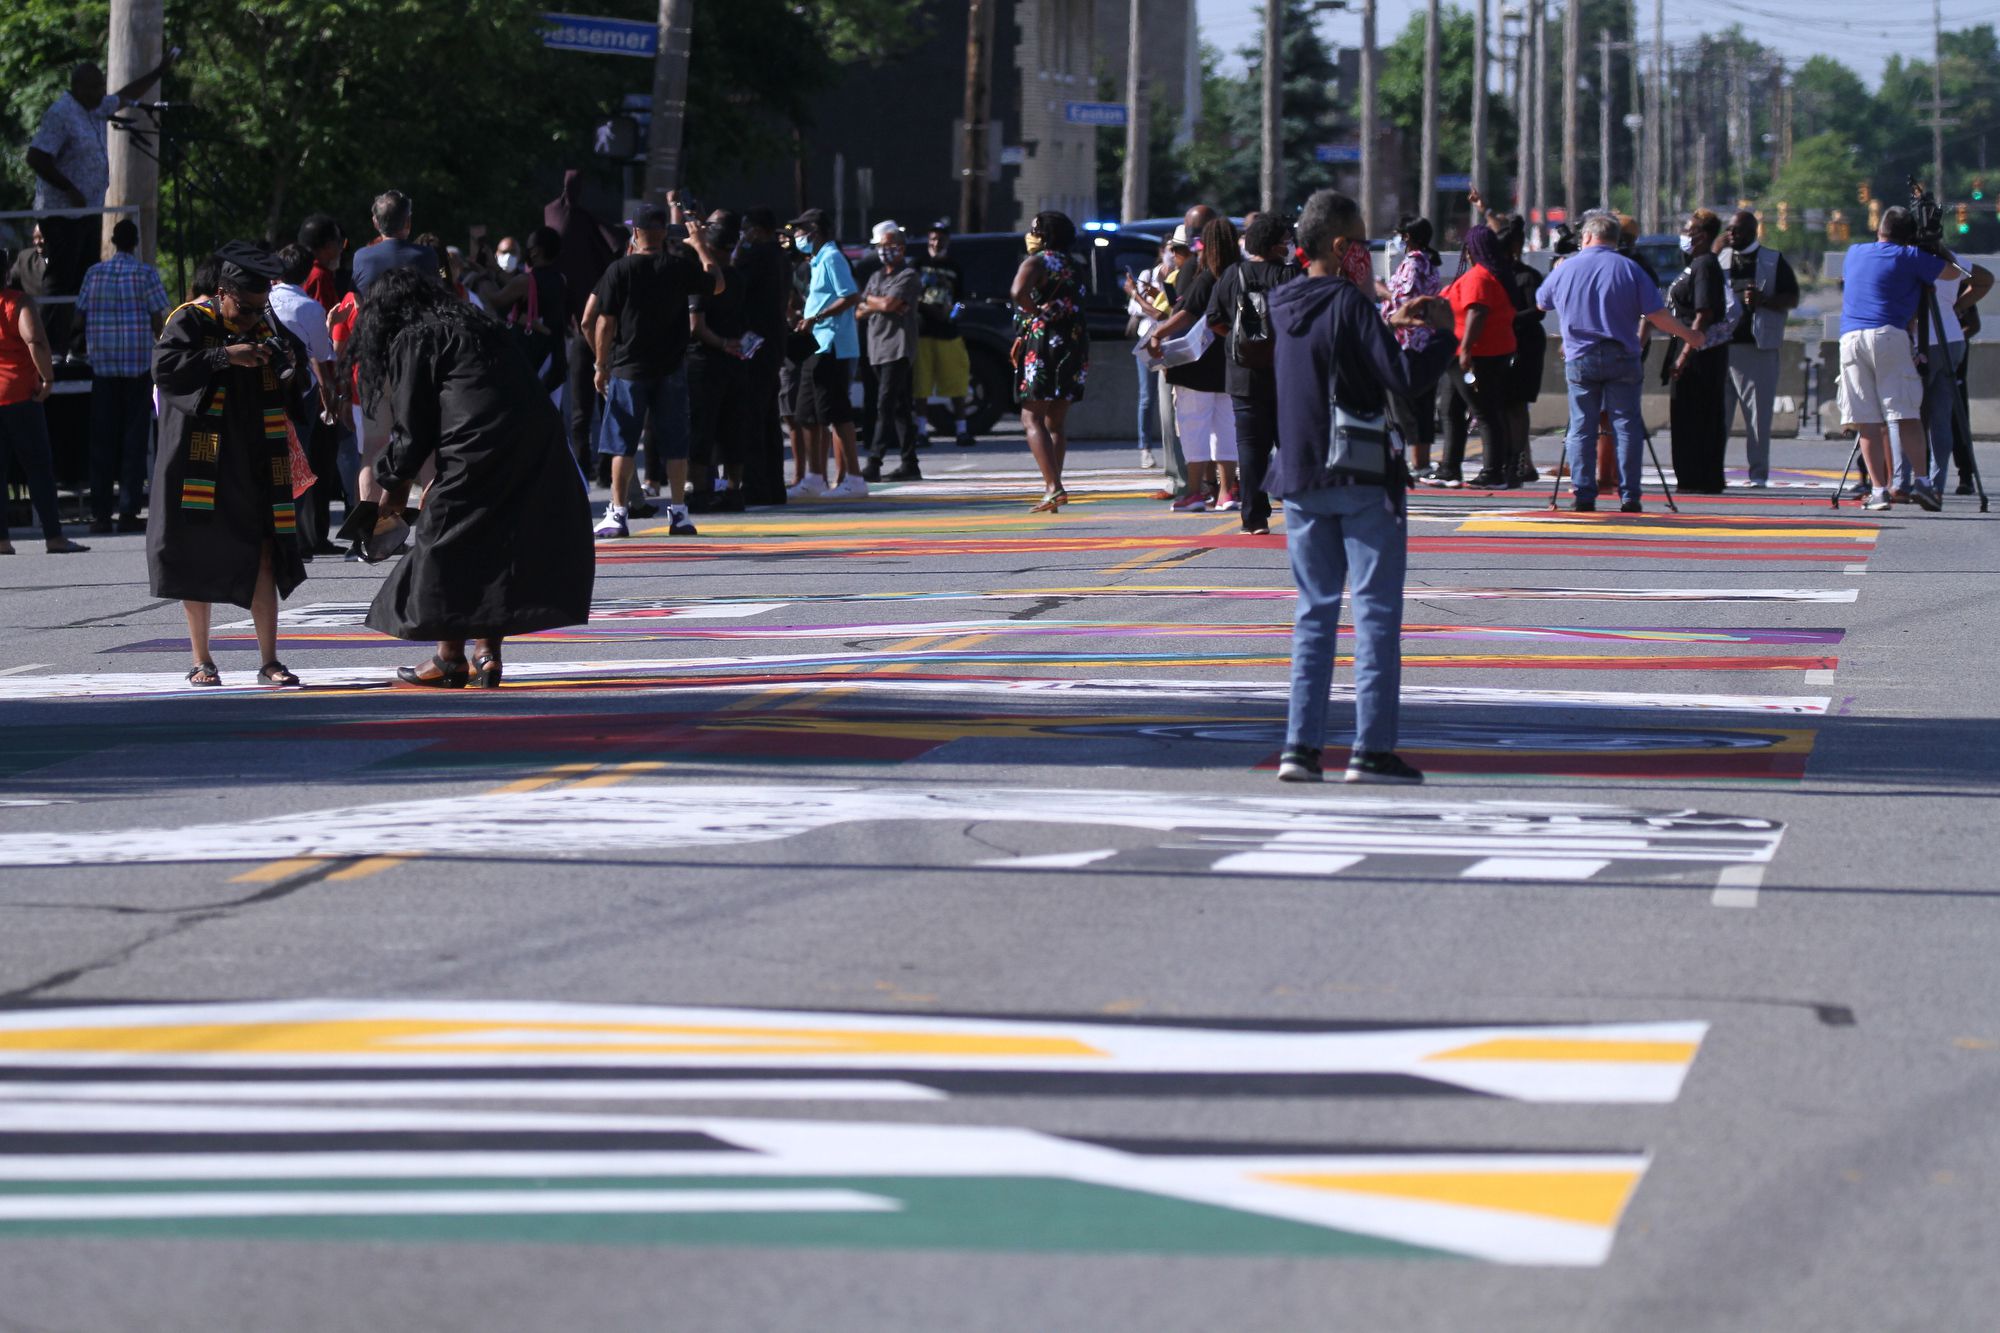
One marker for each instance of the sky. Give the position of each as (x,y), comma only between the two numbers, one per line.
(1863,34)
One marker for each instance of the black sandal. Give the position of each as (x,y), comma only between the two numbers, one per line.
(275,672)
(451,675)
(204,673)
(485,672)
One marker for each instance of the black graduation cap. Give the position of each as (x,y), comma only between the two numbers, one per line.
(244,262)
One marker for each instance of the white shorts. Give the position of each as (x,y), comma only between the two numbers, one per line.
(1878,378)
(1206,423)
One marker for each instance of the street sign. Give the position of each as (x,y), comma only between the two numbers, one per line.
(600,36)
(1094,113)
(1455,181)
(1337,152)
(1634,121)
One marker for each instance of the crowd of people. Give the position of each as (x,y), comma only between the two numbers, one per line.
(457,400)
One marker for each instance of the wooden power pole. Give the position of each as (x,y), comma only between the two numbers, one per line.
(1369,206)
(135,169)
(1572,44)
(1428,176)
(670,77)
(978,106)
(1477,166)
(1132,204)
(1271,180)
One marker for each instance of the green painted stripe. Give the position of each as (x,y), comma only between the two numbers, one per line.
(960,1213)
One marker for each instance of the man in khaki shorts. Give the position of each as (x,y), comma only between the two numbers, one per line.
(1879,385)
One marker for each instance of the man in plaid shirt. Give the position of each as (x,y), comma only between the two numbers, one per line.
(123,307)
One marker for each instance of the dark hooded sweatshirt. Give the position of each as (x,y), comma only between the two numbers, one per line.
(587,245)
(1331,339)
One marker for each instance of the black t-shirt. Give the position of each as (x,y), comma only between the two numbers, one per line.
(1257,275)
(943,282)
(648,296)
(725,312)
(1211,373)
(764,272)
(1699,287)
(1743,273)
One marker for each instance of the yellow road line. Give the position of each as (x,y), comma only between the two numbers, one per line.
(276,870)
(366,866)
(619,773)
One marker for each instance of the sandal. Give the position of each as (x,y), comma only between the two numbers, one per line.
(451,675)
(275,672)
(204,673)
(1052,502)
(485,672)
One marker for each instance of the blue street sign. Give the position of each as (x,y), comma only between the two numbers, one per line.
(1094,113)
(1337,152)
(1455,181)
(599,36)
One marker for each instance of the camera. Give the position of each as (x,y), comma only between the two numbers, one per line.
(280,352)
(1565,242)
(1928,214)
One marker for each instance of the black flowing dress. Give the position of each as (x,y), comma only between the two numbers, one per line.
(503,543)
(221,482)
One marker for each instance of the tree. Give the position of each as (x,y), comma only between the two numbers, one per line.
(1222,166)
(1401,94)
(1829,98)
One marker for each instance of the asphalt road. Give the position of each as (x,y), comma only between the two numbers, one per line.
(885,916)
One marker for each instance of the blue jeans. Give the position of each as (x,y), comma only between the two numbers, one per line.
(1331,534)
(24,433)
(1940,397)
(1604,378)
(121,426)
(1149,424)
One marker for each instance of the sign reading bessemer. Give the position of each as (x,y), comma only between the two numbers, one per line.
(600,36)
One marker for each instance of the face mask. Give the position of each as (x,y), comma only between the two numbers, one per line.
(1687,245)
(509,262)
(889,255)
(1034,243)
(805,245)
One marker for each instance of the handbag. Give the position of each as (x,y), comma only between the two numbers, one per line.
(1360,447)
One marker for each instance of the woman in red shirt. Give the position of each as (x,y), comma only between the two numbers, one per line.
(27,375)
(1484,314)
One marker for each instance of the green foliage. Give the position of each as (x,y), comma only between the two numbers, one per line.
(1401,89)
(307,106)
(1223,165)
(1822,173)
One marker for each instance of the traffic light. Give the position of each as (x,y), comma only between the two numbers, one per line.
(1978,188)
(1874,216)
(1784,216)
(1964,218)
(1861,193)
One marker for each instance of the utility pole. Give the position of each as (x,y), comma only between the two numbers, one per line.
(1542,109)
(1271,178)
(1524,110)
(1604,121)
(1479,75)
(1656,124)
(1427,189)
(670,77)
(1634,120)
(1572,44)
(135,169)
(1132,205)
(1937,100)
(978,104)
(1368,128)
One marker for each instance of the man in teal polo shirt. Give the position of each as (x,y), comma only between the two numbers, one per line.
(825,407)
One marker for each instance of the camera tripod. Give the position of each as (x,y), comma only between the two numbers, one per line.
(1644,434)
(1929,318)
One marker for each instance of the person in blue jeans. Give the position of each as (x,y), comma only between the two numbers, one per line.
(1332,344)
(1601,299)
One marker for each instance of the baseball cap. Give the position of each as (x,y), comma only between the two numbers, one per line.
(884,230)
(649,219)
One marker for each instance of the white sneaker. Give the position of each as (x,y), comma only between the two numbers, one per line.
(811,487)
(612,524)
(1878,500)
(849,487)
(1146,459)
(679,524)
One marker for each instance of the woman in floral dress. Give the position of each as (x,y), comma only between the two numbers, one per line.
(1416,276)
(1051,347)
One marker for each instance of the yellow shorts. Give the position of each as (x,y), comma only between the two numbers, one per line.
(943,369)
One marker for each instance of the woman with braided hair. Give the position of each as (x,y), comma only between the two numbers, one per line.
(502,545)
(221,526)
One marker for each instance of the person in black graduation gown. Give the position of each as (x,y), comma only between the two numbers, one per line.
(221,526)
(502,545)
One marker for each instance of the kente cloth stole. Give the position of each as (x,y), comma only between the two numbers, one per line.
(205,437)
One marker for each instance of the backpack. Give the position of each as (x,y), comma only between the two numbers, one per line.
(1252,341)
